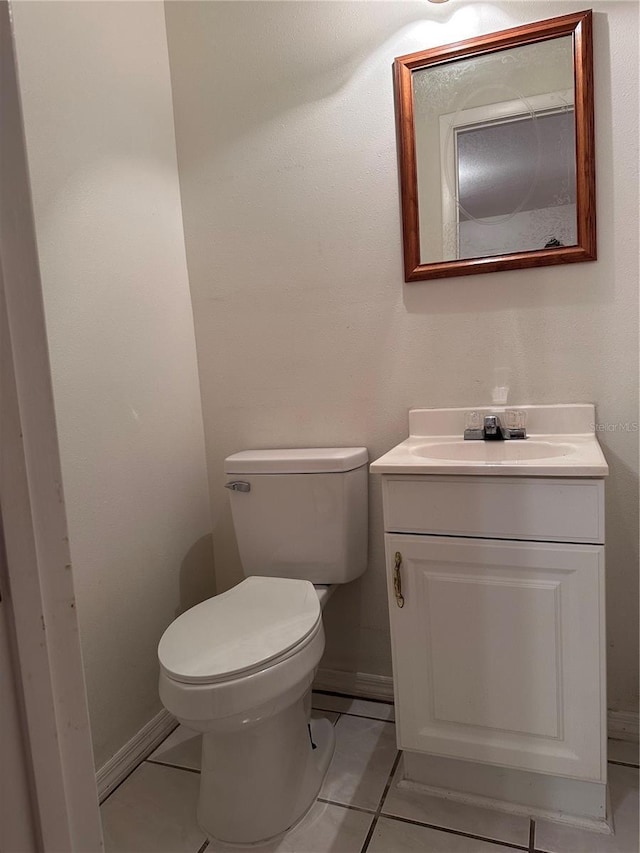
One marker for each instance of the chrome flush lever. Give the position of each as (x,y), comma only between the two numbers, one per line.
(238,486)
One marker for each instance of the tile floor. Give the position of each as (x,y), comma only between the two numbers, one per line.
(360,809)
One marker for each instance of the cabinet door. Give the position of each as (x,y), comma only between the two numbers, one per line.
(498,653)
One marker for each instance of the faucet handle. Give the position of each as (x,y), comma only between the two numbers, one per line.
(515,419)
(472,426)
(472,420)
(516,423)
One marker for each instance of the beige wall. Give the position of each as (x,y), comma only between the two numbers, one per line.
(305,332)
(99,128)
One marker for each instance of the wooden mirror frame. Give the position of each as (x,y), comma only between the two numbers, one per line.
(578,25)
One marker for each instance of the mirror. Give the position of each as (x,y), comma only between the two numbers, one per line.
(496,151)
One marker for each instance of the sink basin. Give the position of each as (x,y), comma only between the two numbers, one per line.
(561,443)
(492,451)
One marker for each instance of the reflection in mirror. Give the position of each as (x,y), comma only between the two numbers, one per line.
(504,126)
(516,186)
(492,132)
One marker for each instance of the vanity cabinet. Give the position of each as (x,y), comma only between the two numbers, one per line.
(497,619)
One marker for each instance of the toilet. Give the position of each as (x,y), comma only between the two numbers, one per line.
(239,666)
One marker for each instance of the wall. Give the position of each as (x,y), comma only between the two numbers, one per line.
(305,332)
(99,130)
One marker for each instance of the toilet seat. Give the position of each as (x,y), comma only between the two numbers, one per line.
(256,623)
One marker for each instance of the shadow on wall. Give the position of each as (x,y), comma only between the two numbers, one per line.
(229,570)
(197,574)
(285,27)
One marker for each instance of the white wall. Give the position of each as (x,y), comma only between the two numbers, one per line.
(306,334)
(99,129)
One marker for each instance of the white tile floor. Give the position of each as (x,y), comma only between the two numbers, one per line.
(360,809)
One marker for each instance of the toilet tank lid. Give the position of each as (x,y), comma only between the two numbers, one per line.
(303,460)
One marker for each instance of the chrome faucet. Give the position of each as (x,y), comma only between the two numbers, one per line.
(492,429)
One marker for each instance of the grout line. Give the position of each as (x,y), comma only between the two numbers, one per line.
(367,717)
(367,840)
(624,764)
(394,767)
(459,832)
(532,835)
(351,696)
(122,781)
(204,847)
(374,822)
(345,806)
(175,766)
(381,813)
(139,764)
(327,711)
(357,716)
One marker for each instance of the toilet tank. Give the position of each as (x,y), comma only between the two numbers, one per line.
(301,513)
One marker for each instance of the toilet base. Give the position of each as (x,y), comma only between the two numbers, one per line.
(258,782)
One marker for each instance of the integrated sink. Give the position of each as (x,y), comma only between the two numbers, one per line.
(493,452)
(561,443)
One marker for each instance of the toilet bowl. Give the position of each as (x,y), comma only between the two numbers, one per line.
(247,691)
(239,666)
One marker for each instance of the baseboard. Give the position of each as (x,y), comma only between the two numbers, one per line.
(133,752)
(623,725)
(362,684)
(576,802)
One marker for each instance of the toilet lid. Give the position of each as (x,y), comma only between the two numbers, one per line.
(256,621)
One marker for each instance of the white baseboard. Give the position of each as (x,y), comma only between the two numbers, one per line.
(132,753)
(577,802)
(362,684)
(621,725)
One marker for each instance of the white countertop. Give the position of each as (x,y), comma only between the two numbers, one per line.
(561,442)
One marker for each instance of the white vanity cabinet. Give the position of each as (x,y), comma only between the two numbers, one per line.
(498,647)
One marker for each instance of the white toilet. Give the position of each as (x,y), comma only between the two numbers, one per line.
(239,667)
